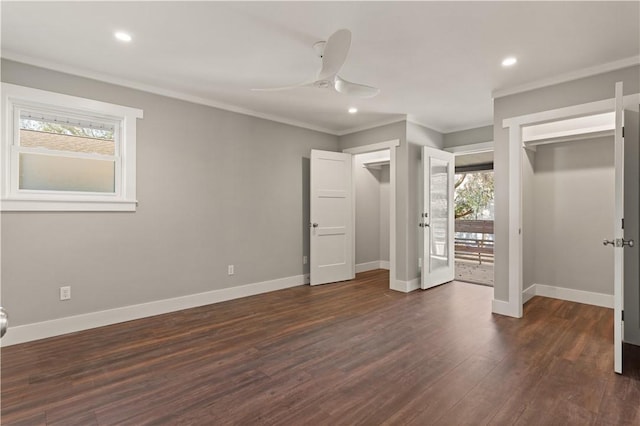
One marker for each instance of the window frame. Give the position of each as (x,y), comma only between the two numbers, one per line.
(16,98)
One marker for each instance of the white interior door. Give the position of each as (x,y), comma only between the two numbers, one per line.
(631,296)
(618,241)
(331,216)
(437,218)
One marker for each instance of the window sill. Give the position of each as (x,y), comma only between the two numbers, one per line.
(24,205)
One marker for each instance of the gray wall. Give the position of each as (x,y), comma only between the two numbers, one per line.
(573,193)
(468,137)
(409,185)
(215,188)
(575,92)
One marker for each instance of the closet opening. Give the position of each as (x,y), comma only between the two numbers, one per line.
(568,190)
(371,173)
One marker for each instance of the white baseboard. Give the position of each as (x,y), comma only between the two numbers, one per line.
(56,327)
(528,293)
(504,308)
(370,266)
(571,295)
(405,286)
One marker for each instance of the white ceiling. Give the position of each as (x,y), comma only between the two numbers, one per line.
(435,62)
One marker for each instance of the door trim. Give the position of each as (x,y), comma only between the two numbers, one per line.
(391,145)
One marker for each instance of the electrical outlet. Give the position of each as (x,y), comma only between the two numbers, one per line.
(230,270)
(304,260)
(65,293)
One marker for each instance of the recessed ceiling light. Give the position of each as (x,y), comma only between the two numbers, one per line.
(353,110)
(122,36)
(507,62)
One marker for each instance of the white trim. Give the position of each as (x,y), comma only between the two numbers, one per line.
(56,327)
(405,286)
(67,206)
(371,266)
(367,266)
(124,118)
(372,147)
(391,145)
(370,126)
(503,308)
(468,127)
(569,294)
(570,76)
(474,148)
(528,293)
(411,119)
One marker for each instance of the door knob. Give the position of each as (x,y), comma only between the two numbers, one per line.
(315,225)
(619,242)
(4,321)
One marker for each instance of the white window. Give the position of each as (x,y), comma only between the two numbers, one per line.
(64,153)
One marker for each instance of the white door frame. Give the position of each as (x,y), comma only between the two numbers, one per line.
(513,307)
(391,146)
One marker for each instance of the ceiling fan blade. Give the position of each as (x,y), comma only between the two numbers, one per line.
(278,89)
(354,89)
(335,53)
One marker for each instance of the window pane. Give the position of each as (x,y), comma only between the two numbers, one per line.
(53,173)
(65,134)
(439,207)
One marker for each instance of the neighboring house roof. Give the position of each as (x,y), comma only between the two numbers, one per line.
(58,142)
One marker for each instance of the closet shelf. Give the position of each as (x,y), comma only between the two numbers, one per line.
(377,163)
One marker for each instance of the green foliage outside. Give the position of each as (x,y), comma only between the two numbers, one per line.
(473,193)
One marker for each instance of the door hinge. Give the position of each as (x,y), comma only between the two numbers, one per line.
(622,223)
(623,131)
(622,313)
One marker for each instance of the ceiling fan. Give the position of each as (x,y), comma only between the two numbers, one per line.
(333,53)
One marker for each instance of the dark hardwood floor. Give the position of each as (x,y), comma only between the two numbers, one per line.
(339,354)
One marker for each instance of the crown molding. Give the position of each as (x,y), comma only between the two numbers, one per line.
(570,76)
(183,96)
(371,126)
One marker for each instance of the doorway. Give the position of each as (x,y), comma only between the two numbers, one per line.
(371,175)
(474,218)
(389,147)
(564,124)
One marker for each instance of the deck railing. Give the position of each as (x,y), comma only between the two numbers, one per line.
(478,249)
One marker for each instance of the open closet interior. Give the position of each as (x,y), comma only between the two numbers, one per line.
(568,184)
(372,207)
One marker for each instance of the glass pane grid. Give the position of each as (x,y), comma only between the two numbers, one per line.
(439,208)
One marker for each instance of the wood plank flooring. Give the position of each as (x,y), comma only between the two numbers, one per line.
(338,354)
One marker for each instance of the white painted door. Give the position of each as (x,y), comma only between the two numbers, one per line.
(631,296)
(437,218)
(618,241)
(331,216)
